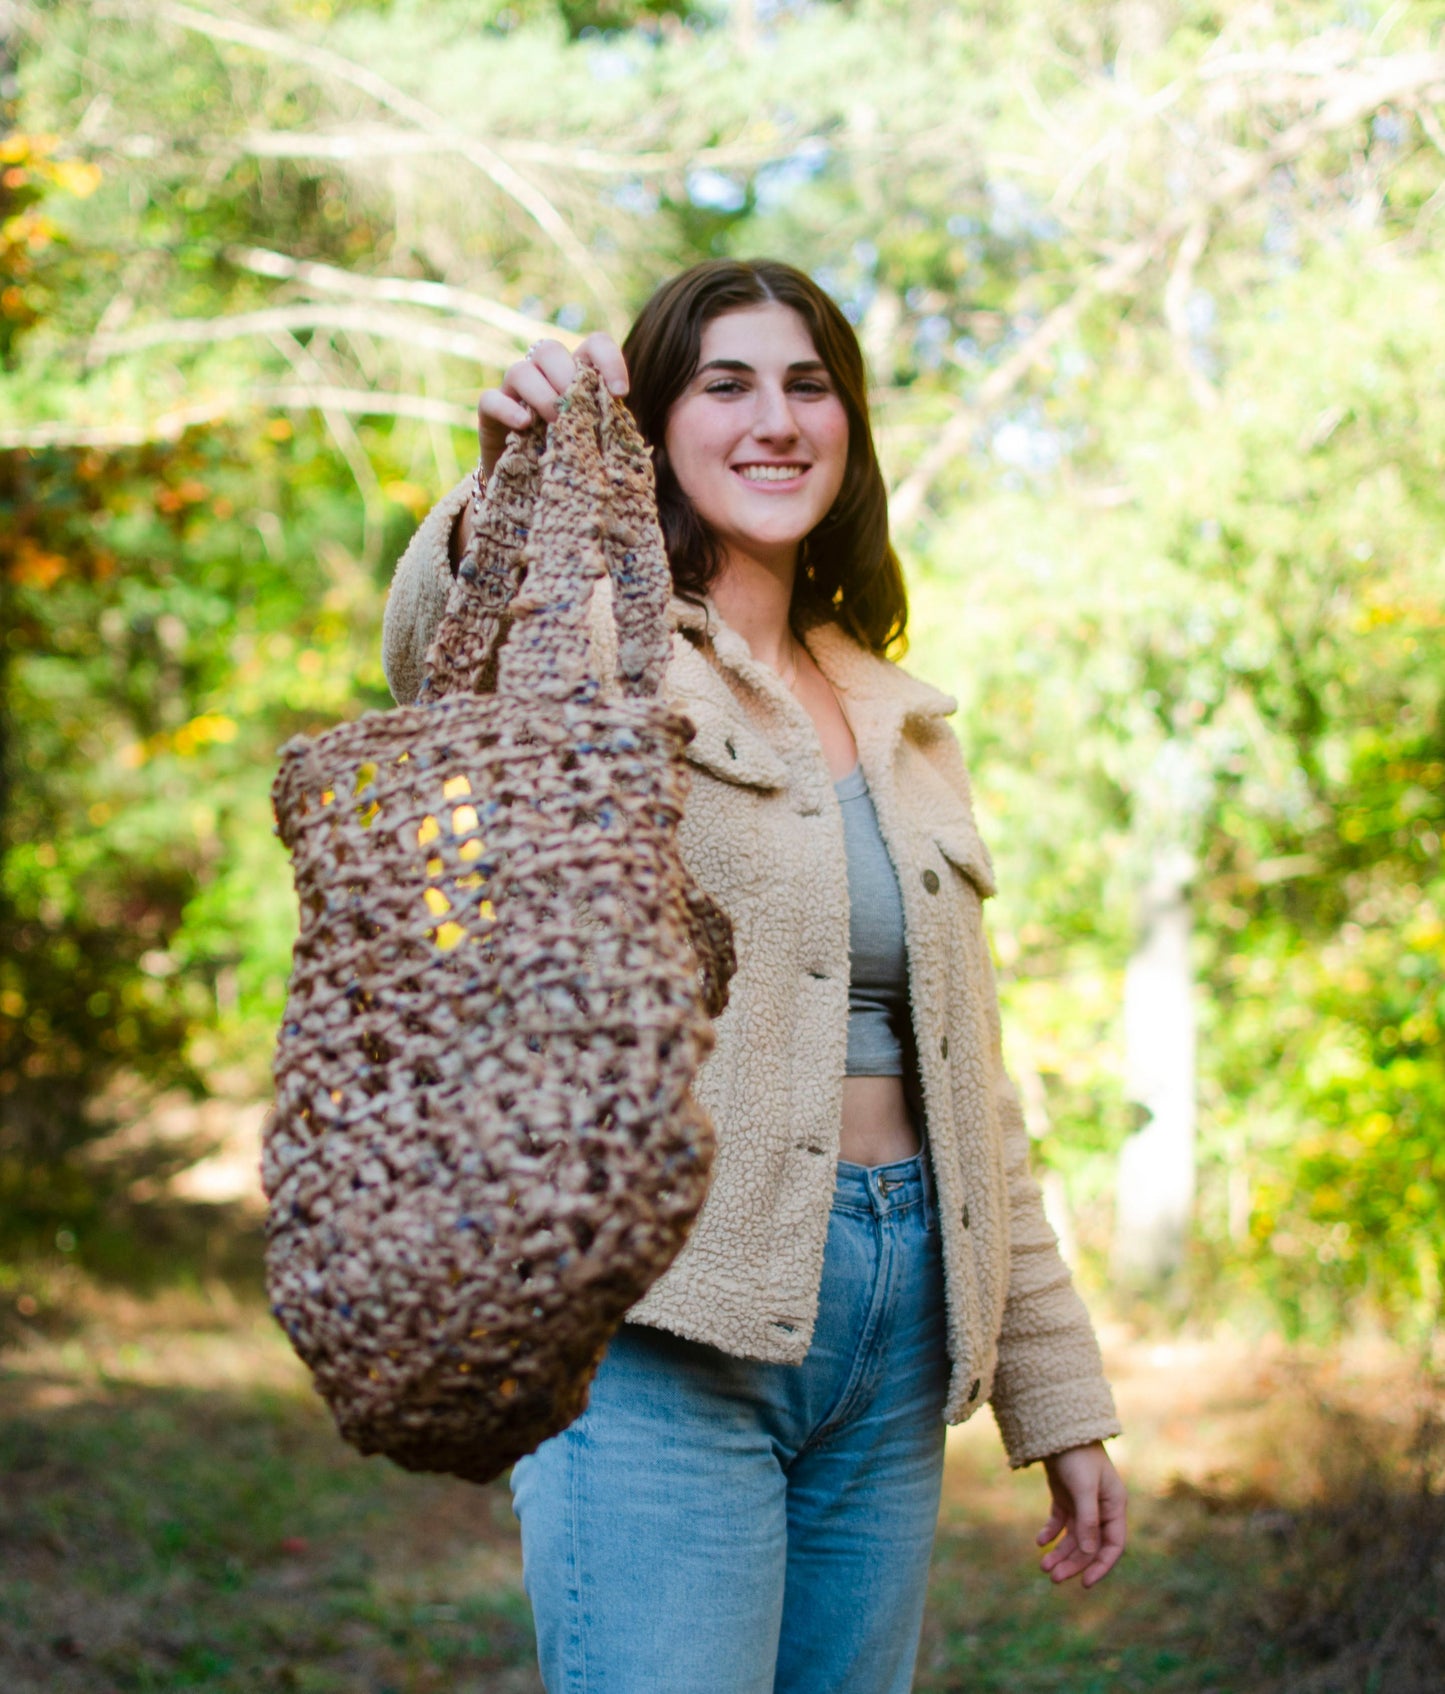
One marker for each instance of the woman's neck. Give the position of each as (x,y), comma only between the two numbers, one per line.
(754,597)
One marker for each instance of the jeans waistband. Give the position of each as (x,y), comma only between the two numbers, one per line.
(887,1188)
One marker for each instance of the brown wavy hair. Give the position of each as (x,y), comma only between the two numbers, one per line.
(848,572)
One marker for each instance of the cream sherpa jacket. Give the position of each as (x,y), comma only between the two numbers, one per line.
(763,833)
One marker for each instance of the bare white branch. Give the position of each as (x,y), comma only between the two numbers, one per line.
(389,326)
(1353,97)
(1176,309)
(171,424)
(438,296)
(348,443)
(381,142)
(504,176)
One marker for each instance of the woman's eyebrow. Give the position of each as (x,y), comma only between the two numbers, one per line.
(743,365)
(746,368)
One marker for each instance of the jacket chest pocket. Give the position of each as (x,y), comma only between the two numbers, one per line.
(734,818)
(735,755)
(961,846)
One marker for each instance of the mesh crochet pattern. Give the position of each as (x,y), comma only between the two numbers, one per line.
(484,1147)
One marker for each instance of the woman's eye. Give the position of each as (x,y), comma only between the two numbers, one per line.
(809,387)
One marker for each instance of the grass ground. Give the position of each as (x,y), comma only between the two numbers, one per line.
(177,1513)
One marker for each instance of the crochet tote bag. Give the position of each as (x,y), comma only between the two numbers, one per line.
(484,1148)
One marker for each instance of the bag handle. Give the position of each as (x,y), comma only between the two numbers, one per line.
(459,659)
(566,504)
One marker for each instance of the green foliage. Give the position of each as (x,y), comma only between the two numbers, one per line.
(1152,299)
(1249,654)
(158,654)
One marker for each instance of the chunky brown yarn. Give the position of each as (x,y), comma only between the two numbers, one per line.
(484,1148)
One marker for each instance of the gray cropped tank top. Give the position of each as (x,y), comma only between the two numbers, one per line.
(880,1028)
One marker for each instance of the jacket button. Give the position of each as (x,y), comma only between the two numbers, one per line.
(930,880)
(973,1390)
(943,1047)
(965,1214)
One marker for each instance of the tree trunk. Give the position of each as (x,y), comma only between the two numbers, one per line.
(1155,1191)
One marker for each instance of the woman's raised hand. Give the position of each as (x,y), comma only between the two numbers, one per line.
(532,386)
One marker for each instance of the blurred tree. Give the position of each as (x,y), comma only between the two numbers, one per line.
(1152,299)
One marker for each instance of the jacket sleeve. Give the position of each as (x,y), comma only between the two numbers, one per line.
(418,596)
(1049,1391)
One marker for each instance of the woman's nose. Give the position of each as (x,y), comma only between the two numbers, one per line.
(774,420)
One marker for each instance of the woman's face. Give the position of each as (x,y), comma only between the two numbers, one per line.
(758,440)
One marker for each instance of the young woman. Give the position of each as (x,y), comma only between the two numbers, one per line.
(748,1504)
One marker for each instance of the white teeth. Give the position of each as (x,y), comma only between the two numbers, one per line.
(770,473)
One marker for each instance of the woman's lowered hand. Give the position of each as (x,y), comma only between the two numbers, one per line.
(532,387)
(1089,1499)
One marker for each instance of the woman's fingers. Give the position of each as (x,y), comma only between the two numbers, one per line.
(1064,1561)
(1088,1501)
(555,364)
(498,413)
(532,387)
(1108,1556)
(540,380)
(1113,1528)
(501,411)
(1052,1527)
(529,391)
(605,356)
(1086,1520)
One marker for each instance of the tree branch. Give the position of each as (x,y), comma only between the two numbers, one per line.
(1387,80)
(378,142)
(348,444)
(1001,381)
(1176,309)
(291,397)
(503,176)
(439,296)
(389,326)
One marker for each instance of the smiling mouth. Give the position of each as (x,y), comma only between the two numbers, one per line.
(770,473)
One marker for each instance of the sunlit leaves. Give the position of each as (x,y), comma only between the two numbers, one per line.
(1183,570)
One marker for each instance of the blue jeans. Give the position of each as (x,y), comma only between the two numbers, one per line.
(715,1525)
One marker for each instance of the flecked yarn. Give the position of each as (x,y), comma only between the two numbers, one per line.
(484,1148)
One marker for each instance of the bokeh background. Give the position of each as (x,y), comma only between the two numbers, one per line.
(1153,298)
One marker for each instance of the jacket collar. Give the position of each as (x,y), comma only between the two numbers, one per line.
(854,672)
(858,674)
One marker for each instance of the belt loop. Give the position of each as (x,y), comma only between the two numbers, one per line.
(930,1197)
